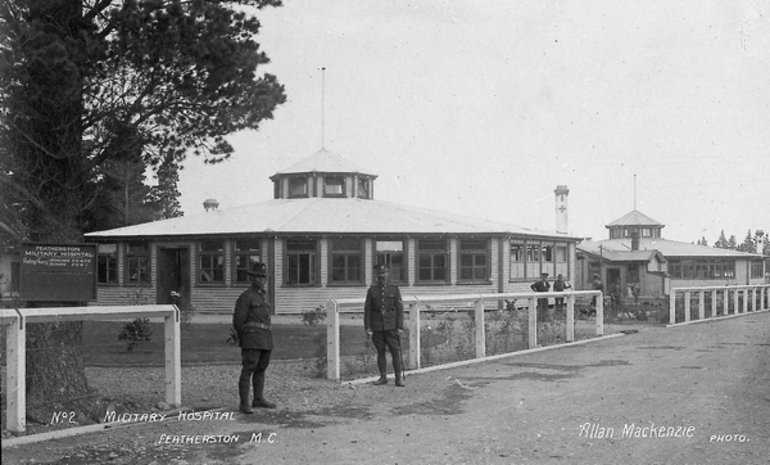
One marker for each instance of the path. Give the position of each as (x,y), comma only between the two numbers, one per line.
(565,406)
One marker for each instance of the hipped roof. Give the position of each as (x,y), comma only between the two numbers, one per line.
(616,249)
(635,218)
(323,161)
(320,215)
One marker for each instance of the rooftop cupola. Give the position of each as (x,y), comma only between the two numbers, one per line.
(323,174)
(635,223)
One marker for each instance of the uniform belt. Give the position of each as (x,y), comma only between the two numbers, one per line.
(257,325)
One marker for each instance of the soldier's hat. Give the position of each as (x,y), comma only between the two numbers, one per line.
(257,269)
(543,274)
(382,267)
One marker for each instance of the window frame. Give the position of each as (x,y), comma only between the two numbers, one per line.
(474,253)
(346,254)
(343,185)
(432,254)
(110,258)
(139,257)
(367,185)
(212,268)
(312,254)
(248,253)
(298,179)
(387,257)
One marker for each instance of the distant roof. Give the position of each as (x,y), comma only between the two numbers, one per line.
(323,161)
(613,255)
(666,247)
(320,215)
(635,218)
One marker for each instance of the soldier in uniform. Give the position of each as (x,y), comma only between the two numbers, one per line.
(251,319)
(384,323)
(542,304)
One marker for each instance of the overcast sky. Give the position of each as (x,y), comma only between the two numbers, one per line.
(483,108)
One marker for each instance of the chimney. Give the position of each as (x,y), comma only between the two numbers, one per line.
(210,204)
(561,209)
(635,240)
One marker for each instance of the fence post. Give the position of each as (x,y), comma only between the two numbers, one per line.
(736,304)
(173,349)
(414,335)
(15,377)
(570,317)
(727,302)
(687,299)
(481,339)
(600,314)
(746,300)
(672,307)
(754,299)
(702,305)
(333,341)
(532,322)
(714,310)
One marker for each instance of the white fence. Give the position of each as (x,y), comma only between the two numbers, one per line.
(755,298)
(418,304)
(15,321)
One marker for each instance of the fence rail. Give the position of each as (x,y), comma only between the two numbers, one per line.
(417,304)
(15,321)
(733,300)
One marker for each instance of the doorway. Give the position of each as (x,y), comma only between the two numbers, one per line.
(173,274)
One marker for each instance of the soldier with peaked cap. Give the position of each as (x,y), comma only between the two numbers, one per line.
(251,320)
(384,323)
(542,304)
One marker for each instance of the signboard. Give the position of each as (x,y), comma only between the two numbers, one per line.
(58,272)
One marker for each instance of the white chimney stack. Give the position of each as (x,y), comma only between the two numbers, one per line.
(562,220)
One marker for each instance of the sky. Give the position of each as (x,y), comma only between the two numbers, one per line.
(483,108)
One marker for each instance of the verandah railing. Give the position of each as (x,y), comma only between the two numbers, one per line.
(716,301)
(415,305)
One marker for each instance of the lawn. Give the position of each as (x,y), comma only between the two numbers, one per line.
(207,344)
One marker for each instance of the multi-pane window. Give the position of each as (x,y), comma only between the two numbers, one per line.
(138,263)
(433,260)
(245,254)
(701,269)
(334,186)
(301,261)
(363,188)
(392,254)
(473,260)
(757,269)
(211,262)
(107,272)
(530,258)
(346,261)
(298,186)
(517,261)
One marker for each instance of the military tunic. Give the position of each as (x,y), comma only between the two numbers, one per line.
(251,320)
(383,310)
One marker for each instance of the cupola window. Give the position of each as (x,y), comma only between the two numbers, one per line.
(334,186)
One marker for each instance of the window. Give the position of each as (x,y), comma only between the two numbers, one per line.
(756,269)
(363,188)
(245,255)
(301,262)
(432,260)
(533,259)
(277,189)
(473,260)
(392,254)
(346,261)
(211,262)
(646,232)
(517,270)
(701,269)
(138,263)
(633,274)
(548,256)
(562,260)
(107,268)
(334,186)
(298,186)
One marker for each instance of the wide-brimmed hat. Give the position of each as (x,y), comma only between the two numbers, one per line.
(382,267)
(257,269)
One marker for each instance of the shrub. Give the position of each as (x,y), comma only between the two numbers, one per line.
(313,317)
(134,332)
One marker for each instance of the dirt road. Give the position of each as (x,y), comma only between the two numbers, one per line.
(697,394)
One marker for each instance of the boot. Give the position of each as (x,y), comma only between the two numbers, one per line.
(382,381)
(259,388)
(399,381)
(244,383)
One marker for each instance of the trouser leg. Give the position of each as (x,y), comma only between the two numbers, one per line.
(250,360)
(378,339)
(258,379)
(394,345)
